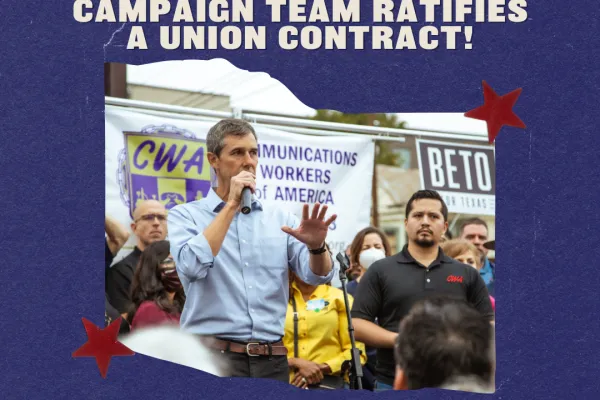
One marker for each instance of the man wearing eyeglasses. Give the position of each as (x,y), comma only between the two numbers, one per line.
(234,267)
(149,225)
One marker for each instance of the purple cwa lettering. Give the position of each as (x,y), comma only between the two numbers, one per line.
(137,152)
(162,158)
(196,160)
(171,156)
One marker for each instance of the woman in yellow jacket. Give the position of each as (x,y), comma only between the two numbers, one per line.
(323,341)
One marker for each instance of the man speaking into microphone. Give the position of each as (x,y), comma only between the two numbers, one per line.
(234,266)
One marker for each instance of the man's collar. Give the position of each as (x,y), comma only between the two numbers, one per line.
(405,257)
(216,204)
(213,201)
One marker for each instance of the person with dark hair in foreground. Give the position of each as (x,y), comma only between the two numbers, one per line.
(392,285)
(156,290)
(445,343)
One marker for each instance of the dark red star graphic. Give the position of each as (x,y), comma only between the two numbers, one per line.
(102,344)
(497,111)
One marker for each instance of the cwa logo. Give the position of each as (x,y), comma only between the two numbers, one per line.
(454,279)
(163,163)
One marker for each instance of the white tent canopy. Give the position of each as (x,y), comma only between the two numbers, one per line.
(257,91)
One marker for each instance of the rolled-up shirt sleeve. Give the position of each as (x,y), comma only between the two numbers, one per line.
(189,248)
(299,258)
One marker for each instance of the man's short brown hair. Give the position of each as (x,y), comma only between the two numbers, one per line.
(472,221)
(215,139)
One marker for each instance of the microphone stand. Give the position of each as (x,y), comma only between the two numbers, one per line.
(355,372)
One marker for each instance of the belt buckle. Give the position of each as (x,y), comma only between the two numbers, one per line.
(248,349)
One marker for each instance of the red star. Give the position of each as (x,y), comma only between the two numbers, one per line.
(497,111)
(102,344)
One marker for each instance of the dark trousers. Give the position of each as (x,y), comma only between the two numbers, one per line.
(243,365)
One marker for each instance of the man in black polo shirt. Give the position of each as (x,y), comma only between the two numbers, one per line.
(391,286)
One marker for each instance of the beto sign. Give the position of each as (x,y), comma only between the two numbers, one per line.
(464,175)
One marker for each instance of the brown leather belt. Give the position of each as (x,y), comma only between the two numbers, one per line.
(252,349)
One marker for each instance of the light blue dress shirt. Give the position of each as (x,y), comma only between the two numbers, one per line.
(242,293)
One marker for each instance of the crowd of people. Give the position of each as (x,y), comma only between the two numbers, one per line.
(255,289)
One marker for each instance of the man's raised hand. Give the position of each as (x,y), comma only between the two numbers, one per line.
(312,230)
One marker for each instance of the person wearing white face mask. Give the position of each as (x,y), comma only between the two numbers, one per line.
(369,256)
(369,246)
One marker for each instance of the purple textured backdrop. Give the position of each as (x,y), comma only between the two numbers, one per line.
(51,80)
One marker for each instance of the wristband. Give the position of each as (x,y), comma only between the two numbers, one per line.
(318,251)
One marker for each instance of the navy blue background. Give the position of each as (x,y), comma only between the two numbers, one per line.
(52,163)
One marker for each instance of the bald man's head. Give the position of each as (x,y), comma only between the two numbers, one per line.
(149,223)
(144,206)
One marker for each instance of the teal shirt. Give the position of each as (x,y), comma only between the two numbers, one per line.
(488,274)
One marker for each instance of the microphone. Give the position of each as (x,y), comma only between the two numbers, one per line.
(246,200)
(343,260)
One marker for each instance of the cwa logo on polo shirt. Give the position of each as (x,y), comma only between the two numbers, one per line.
(454,279)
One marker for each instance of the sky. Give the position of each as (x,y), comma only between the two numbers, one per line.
(257,91)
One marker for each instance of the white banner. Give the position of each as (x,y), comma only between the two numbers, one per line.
(156,155)
(463,174)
